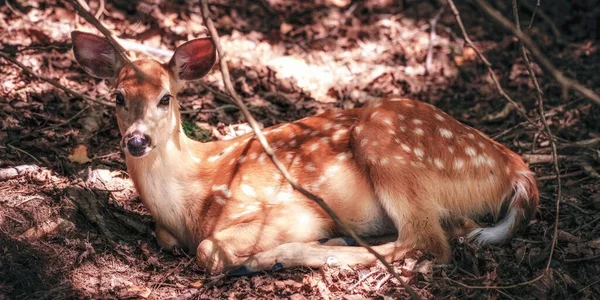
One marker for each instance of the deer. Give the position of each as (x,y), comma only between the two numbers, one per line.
(394,167)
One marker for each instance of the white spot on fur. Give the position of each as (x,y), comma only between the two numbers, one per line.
(419,153)
(313,147)
(327,126)
(223,188)
(375,143)
(401,117)
(417,122)
(241,159)
(478,160)
(439,117)
(470,151)
(384,161)
(253,156)
(471,136)
(358,129)
(445,133)
(315,133)
(293,143)
(419,131)
(481,145)
(342,156)
(213,158)
(310,167)
(269,190)
(262,158)
(405,147)
(248,190)
(459,164)
(438,163)
(220,200)
(387,121)
(450,149)
(374,115)
(339,134)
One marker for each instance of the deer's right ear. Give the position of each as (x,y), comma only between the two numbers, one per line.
(96,55)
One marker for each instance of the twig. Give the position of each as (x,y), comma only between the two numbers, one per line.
(52,126)
(52,81)
(432,36)
(543,16)
(582,259)
(92,20)
(265,144)
(566,82)
(495,287)
(548,132)
(24,152)
(537,6)
(487,63)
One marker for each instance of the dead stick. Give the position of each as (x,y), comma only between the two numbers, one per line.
(52,81)
(487,63)
(265,144)
(566,82)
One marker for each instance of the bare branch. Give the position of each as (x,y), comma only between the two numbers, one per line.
(487,64)
(548,132)
(566,82)
(264,143)
(52,81)
(92,20)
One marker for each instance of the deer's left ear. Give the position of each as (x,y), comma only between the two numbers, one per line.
(193,59)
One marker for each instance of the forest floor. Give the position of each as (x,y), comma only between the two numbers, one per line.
(72,225)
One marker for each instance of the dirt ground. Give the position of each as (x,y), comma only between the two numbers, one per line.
(72,225)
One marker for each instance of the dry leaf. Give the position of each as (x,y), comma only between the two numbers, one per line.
(79,155)
(197,284)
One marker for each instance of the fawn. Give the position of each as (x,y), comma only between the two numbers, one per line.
(396,166)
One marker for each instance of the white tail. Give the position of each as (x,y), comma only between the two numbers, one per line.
(395,166)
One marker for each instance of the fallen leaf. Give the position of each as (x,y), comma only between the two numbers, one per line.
(197,284)
(79,155)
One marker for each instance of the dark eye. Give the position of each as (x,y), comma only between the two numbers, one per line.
(165,99)
(119,99)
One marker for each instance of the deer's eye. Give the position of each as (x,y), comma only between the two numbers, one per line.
(165,99)
(119,99)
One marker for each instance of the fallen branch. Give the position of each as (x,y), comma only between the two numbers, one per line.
(566,82)
(17,171)
(52,81)
(487,64)
(265,144)
(547,131)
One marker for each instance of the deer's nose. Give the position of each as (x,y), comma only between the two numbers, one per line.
(137,144)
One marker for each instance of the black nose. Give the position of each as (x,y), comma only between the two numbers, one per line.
(137,144)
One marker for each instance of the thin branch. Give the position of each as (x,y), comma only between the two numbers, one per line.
(537,6)
(92,20)
(487,64)
(52,81)
(566,82)
(548,132)
(265,144)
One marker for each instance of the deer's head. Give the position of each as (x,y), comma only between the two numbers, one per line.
(146,108)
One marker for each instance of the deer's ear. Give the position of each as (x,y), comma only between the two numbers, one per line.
(96,55)
(193,59)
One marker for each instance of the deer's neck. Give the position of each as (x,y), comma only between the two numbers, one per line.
(168,178)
